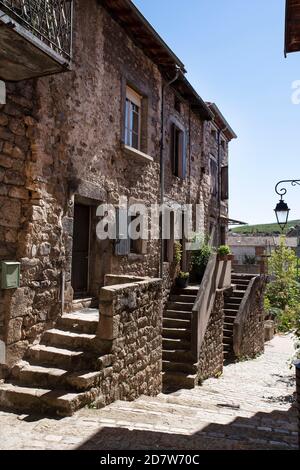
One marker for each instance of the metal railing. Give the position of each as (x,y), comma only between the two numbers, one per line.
(48,20)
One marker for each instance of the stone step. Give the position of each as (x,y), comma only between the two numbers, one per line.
(186,367)
(190,299)
(180,314)
(177,344)
(68,339)
(236,427)
(227,340)
(186,291)
(84,303)
(241,276)
(177,333)
(229,319)
(238,294)
(44,377)
(227,331)
(59,402)
(177,355)
(233,304)
(227,347)
(179,379)
(183,306)
(176,323)
(61,358)
(84,321)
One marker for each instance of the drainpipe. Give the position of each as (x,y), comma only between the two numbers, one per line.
(165,86)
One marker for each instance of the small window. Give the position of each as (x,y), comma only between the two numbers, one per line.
(178,152)
(213,176)
(177,104)
(214,134)
(133,119)
(135,245)
(224,183)
(223,144)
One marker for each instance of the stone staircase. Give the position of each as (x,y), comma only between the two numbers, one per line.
(59,374)
(178,364)
(231,307)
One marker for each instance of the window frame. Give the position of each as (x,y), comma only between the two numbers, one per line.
(178,146)
(132,98)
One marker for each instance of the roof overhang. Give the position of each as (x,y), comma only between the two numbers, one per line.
(144,35)
(221,122)
(233,221)
(292,26)
(188,93)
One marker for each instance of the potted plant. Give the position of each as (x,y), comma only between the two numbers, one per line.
(177,252)
(224,253)
(200,259)
(182,279)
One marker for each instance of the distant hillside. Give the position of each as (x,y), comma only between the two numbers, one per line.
(264,228)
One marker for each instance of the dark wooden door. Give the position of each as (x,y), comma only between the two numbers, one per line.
(81,242)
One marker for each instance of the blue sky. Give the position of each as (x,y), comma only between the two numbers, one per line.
(233,51)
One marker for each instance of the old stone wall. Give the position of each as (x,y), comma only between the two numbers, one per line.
(130,330)
(210,362)
(248,332)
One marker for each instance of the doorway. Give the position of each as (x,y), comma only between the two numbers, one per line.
(81,250)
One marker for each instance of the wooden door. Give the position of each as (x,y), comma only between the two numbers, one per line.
(81,248)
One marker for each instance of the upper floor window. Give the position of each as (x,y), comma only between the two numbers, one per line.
(214,186)
(214,134)
(224,183)
(133,119)
(178,152)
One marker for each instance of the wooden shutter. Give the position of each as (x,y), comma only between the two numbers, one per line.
(224,183)
(182,154)
(173,148)
(122,245)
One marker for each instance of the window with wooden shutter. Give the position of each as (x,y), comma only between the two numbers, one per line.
(224,183)
(178,152)
(122,245)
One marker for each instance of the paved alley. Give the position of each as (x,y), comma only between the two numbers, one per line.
(250,407)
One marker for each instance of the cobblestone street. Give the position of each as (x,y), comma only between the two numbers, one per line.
(249,407)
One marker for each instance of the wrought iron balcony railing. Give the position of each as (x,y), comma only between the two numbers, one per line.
(48,20)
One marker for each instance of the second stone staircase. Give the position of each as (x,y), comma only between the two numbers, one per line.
(178,364)
(232,304)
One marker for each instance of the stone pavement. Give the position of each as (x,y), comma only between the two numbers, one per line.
(250,407)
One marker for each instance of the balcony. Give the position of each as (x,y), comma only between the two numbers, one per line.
(35,38)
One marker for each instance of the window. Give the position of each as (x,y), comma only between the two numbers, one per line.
(223,145)
(133,119)
(224,183)
(124,244)
(213,176)
(178,152)
(135,245)
(214,134)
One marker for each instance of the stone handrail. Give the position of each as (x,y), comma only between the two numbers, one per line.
(248,305)
(123,294)
(217,276)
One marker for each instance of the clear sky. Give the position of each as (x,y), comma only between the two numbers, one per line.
(233,51)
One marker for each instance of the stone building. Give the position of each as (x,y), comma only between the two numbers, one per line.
(101,112)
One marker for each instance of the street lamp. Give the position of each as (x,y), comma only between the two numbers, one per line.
(282,214)
(282,209)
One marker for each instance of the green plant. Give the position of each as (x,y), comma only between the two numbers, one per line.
(224,250)
(249,259)
(177,252)
(282,297)
(201,256)
(183,275)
